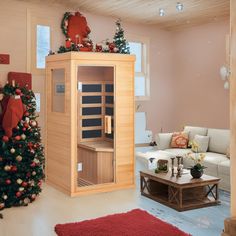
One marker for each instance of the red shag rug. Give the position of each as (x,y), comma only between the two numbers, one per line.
(133,223)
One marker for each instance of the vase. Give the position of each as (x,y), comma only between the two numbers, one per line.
(196,173)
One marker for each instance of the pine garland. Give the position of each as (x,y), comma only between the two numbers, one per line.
(64,23)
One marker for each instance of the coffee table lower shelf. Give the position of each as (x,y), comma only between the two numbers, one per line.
(180,197)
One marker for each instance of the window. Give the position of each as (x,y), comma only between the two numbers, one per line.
(139,48)
(42,45)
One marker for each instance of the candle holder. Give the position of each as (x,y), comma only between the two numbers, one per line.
(172,166)
(178,166)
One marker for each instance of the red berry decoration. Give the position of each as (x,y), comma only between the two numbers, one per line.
(5,139)
(26,113)
(33,164)
(26,125)
(24,184)
(13,168)
(18,91)
(8,181)
(28,174)
(17,138)
(18,194)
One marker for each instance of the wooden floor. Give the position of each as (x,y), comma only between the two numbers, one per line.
(53,207)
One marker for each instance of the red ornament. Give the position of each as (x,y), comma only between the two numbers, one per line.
(28,174)
(33,196)
(18,91)
(26,125)
(33,164)
(18,194)
(111,47)
(23,129)
(17,138)
(20,145)
(1,159)
(26,113)
(98,48)
(8,181)
(5,139)
(24,184)
(13,168)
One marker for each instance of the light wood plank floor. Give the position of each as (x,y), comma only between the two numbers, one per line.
(53,207)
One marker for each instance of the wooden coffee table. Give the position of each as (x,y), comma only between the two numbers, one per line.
(181,193)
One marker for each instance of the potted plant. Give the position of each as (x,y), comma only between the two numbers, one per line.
(198,158)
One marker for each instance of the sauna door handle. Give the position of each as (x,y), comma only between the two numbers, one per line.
(107,124)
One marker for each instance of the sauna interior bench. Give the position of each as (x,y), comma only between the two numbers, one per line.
(97,146)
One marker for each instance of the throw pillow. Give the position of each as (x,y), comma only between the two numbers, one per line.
(163,140)
(202,142)
(179,140)
(194,131)
(228,152)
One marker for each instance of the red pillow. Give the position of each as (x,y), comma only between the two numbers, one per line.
(179,140)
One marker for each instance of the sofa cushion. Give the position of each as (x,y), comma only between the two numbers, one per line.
(202,143)
(178,151)
(179,140)
(219,140)
(224,168)
(163,140)
(195,130)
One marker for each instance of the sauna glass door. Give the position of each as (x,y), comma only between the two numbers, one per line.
(95,125)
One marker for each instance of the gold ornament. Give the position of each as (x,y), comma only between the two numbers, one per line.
(21,189)
(19,181)
(33,173)
(23,136)
(5,197)
(36,160)
(7,168)
(33,123)
(12,150)
(26,201)
(19,158)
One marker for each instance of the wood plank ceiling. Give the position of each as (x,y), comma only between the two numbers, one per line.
(147,11)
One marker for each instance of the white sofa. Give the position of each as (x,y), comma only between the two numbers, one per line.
(216,161)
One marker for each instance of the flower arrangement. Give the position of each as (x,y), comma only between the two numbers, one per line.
(198,159)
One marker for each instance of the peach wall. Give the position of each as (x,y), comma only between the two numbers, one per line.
(182,64)
(13,40)
(200,98)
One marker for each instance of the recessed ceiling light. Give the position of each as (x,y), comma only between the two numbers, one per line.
(179,7)
(161,12)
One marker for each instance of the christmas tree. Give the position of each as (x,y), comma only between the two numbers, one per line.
(119,39)
(21,151)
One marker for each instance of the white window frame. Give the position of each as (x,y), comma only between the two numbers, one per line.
(145,71)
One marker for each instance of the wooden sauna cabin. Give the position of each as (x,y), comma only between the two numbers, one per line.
(90,122)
